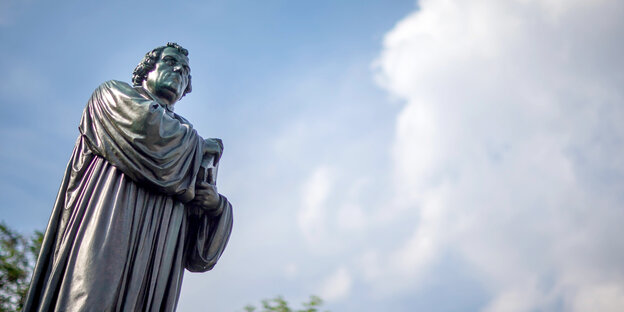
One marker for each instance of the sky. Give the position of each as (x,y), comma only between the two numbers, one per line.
(438,155)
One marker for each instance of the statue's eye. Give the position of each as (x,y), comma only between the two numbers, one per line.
(169,61)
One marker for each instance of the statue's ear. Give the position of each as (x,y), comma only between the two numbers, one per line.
(189,86)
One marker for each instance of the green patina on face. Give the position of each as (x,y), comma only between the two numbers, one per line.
(170,76)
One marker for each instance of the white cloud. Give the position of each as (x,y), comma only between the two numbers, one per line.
(420,249)
(351,217)
(510,146)
(312,217)
(291,270)
(599,298)
(337,285)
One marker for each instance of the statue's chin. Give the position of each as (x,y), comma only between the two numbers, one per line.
(168,95)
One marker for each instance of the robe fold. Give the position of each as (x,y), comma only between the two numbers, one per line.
(120,235)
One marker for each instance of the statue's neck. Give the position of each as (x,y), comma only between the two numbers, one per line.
(150,95)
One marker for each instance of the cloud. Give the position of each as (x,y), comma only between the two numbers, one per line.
(312,217)
(337,285)
(510,146)
(291,270)
(602,298)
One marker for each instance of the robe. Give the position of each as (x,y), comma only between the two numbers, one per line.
(120,235)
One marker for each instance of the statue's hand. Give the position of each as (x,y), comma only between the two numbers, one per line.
(207,198)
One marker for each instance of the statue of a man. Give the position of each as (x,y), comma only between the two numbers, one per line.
(135,207)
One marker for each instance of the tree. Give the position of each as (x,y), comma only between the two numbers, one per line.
(278,304)
(18,255)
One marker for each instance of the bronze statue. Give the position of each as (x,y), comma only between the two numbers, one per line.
(135,207)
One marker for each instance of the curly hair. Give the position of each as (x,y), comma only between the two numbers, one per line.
(149,62)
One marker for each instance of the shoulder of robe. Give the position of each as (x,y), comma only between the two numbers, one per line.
(118,87)
(125,90)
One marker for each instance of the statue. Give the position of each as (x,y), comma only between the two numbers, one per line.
(138,202)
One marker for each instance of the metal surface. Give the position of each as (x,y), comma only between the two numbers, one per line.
(126,221)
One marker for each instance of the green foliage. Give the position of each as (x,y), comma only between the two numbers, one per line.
(18,255)
(278,304)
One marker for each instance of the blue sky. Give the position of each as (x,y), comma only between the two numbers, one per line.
(386,155)
(254,68)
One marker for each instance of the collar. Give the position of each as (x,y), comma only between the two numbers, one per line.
(148,95)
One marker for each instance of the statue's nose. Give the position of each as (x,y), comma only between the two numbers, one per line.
(180,70)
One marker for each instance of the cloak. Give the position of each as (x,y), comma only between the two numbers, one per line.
(120,235)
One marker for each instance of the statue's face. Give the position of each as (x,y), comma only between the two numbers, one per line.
(169,78)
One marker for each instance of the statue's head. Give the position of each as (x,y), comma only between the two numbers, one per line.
(165,73)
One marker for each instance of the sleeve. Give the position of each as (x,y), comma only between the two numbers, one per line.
(207,237)
(137,136)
